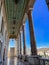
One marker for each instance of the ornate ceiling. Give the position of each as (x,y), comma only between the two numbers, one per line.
(15,10)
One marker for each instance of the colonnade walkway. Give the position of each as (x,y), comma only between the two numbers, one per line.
(14,14)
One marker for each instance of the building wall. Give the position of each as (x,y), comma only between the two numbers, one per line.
(3,35)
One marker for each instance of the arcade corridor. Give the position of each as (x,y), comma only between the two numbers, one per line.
(13,16)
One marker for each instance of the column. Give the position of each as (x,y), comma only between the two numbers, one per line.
(32,38)
(17,47)
(4,56)
(0,5)
(24,43)
(1,54)
(20,44)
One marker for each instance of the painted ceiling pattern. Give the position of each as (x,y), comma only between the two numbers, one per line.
(15,14)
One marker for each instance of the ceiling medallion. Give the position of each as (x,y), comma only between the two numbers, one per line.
(13,32)
(14,22)
(13,27)
(16,1)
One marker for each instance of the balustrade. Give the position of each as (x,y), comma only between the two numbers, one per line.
(44,61)
(33,60)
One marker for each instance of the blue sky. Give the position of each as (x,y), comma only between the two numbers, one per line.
(41,23)
(40,17)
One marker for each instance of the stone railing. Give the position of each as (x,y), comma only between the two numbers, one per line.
(43,61)
(29,60)
(33,60)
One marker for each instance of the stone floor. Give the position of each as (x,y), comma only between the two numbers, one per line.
(15,61)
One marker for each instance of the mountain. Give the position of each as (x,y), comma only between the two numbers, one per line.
(43,51)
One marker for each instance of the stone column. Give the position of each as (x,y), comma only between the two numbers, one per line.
(20,44)
(0,5)
(4,56)
(32,38)
(1,51)
(24,43)
(17,47)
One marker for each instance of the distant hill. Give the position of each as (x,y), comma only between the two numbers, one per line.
(43,49)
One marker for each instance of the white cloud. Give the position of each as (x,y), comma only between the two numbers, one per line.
(43,45)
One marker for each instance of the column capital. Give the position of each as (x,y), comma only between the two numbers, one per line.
(20,31)
(23,24)
(30,9)
(17,39)
(23,27)
(18,35)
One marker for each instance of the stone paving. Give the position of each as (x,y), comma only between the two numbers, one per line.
(15,61)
